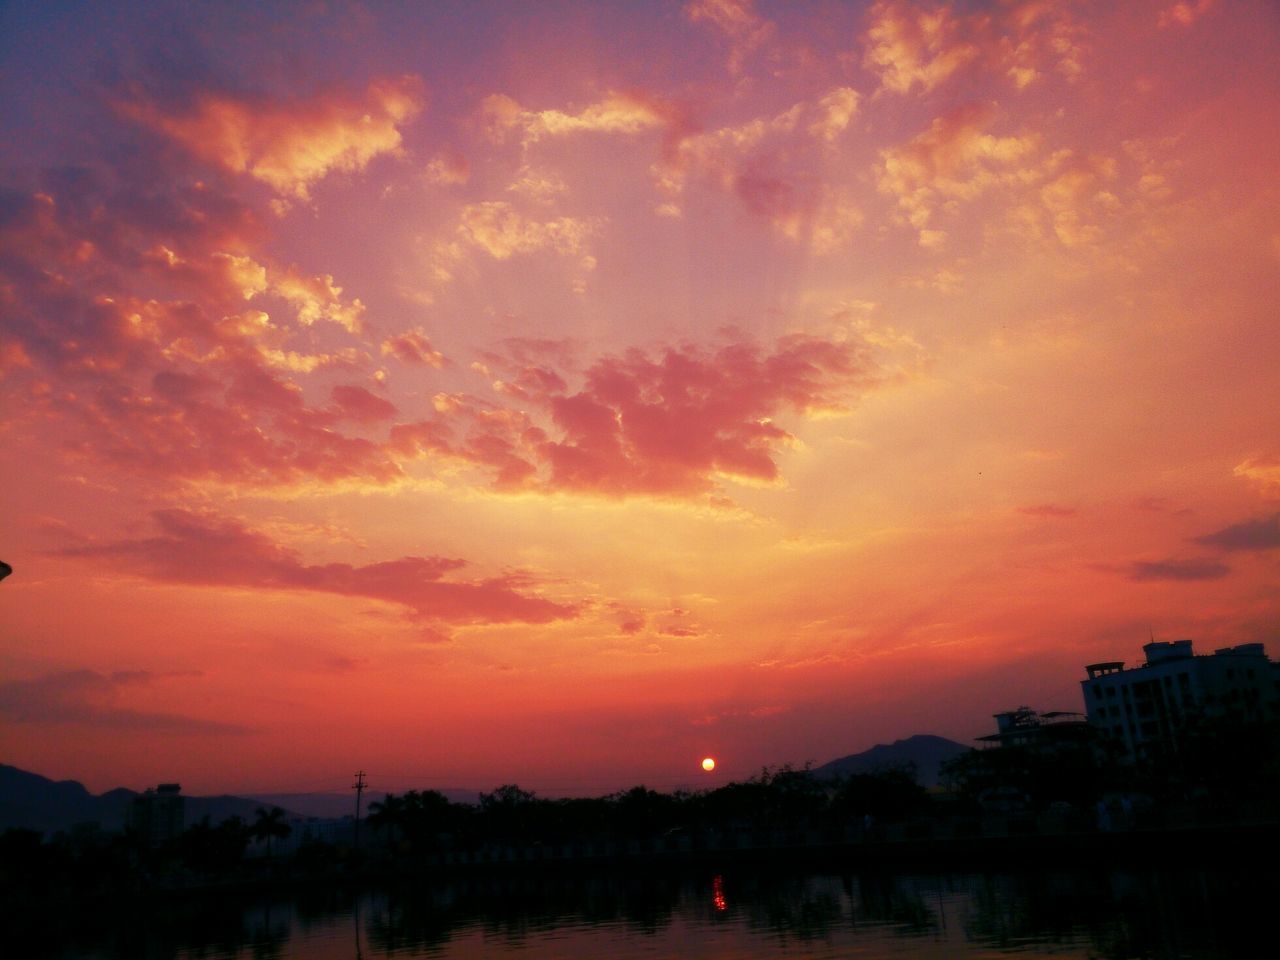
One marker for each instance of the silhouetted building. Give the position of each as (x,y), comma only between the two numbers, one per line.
(157,816)
(1048,732)
(1145,710)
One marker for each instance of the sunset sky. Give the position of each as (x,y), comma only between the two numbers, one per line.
(559,393)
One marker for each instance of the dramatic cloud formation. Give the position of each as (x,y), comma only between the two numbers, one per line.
(674,423)
(783,348)
(288,145)
(207,550)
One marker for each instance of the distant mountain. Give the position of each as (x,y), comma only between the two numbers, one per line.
(923,751)
(33,802)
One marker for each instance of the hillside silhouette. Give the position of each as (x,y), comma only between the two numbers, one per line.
(923,753)
(29,801)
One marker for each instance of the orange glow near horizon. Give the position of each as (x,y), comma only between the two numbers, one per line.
(468,399)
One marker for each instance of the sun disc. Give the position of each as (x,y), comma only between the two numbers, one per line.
(709,764)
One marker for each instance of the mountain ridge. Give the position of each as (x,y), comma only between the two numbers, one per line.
(924,752)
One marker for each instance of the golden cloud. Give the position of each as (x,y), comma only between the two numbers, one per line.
(290,146)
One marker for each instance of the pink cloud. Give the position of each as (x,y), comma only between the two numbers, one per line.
(620,113)
(956,159)
(912,45)
(909,45)
(183,382)
(675,423)
(357,403)
(738,20)
(774,166)
(1184,13)
(288,145)
(202,549)
(413,347)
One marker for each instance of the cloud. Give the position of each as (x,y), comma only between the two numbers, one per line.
(1263,470)
(1176,570)
(318,298)
(497,228)
(288,145)
(357,403)
(189,384)
(913,45)
(1076,195)
(449,168)
(1261,534)
(674,423)
(745,29)
(909,46)
(618,113)
(474,431)
(87,697)
(956,159)
(1183,13)
(775,167)
(413,347)
(203,549)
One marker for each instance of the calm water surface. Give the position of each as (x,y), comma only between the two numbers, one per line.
(739,914)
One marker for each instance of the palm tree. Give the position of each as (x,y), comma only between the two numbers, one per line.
(270,824)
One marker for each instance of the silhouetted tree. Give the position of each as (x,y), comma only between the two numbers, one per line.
(508,813)
(889,794)
(209,849)
(270,825)
(387,816)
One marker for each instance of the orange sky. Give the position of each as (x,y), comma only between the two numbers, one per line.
(561,393)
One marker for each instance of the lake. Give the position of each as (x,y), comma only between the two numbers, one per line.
(743,913)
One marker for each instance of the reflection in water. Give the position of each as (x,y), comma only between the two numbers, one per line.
(749,914)
(355,925)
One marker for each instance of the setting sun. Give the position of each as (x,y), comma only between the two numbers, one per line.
(709,764)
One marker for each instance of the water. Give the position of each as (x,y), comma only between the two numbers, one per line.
(742,914)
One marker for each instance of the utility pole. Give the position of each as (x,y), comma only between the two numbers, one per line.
(358,787)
